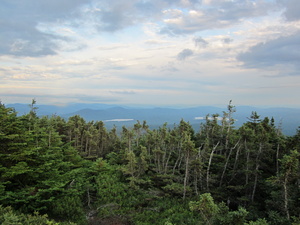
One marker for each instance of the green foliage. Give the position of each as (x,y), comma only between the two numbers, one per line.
(227,217)
(237,217)
(166,210)
(112,193)
(10,217)
(70,168)
(69,208)
(206,207)
(174,188)
(212,213)
(258,222)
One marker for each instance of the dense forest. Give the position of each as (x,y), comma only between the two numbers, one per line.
(57,171)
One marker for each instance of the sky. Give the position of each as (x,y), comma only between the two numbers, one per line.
(150,52)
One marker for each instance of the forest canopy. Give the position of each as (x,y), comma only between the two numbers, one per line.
(70,171)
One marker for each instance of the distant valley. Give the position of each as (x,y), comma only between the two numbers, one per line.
(113,115)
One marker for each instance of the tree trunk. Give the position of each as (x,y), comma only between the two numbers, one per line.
(177,160)
(286,209)
(256,172)
(235,162)
(255,183)
(227,160)
(186,174)
(277,160)
(247,163)
(167,162)
(209,163)
(196,183)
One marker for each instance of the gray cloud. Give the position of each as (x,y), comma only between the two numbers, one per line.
(124,92)
(27,42)
(19,34)
(184,54)
(62,97)
(149,8)
(200,42)
(114,15)
(169,67)
(117,15)
(292,9)
(281,51)
(227,40)
(239,9)
(219,14)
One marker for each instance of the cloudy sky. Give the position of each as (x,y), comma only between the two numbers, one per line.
(150,52)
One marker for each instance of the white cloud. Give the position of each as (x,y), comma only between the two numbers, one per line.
(158,52)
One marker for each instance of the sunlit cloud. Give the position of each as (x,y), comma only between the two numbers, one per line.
(180,52)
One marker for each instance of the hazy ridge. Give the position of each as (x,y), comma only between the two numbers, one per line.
(286,118)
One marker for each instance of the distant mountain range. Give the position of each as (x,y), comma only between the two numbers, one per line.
(287,118)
